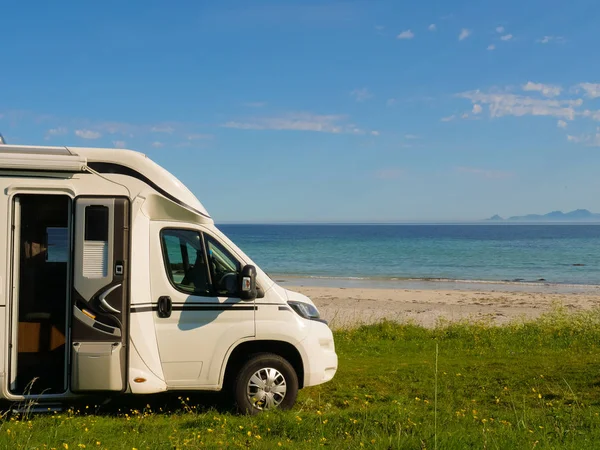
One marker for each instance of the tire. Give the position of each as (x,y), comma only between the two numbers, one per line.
(265,382)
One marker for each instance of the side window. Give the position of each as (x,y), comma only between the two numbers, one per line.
(185,261)
(224,269)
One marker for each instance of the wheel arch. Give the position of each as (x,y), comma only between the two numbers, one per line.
(245,350)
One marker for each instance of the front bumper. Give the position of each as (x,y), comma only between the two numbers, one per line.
(322,361)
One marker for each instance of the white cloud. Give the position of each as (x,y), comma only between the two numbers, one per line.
(477,109)
(162,129)
(499,29)
(299,122)
(389,174)
(547,90)
(491,47)
(375,133)
(448,119)
(561,124)
(118,127)
(407,34)
(87,134)
(360,95)
(130,129)
(592,90)
(157,144)
(464,33)
(485,173)
(432,27)
(591,140)
(120,144)
(594,115)
(60,131)
(379,27)
(507,104)
(464,116)
(506,37)
(548,39)
(391,101)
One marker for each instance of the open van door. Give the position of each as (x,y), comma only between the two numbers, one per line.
(100,304)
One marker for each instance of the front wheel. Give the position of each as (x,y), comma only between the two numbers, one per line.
(266,381)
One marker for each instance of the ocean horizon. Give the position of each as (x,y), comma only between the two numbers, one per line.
(416,222)
(404,253)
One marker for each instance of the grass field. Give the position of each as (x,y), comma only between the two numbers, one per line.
(528,385)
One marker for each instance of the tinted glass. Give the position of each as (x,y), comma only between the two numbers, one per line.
(225,269)
(185,262)
(96,223)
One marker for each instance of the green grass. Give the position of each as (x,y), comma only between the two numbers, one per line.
(527,385)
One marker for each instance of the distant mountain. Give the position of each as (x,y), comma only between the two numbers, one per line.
(579,215)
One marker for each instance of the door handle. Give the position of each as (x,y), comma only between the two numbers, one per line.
(165,306)
(105,304)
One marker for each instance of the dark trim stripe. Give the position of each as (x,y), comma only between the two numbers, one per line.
(137,309)
(137,305)
(213,308)
(104,167)
(195,307)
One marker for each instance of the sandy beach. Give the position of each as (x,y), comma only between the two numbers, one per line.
(347,306)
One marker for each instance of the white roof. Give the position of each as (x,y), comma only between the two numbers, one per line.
(76,159)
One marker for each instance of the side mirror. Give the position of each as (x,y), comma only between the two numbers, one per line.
(248,283)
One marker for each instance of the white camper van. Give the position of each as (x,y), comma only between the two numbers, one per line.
(114,279)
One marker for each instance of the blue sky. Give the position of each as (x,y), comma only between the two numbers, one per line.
(312,111)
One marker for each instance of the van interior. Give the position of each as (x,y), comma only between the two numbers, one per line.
(42,255)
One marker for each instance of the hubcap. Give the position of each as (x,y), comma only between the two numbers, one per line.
(266,388)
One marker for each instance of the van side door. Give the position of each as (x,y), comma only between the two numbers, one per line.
(99,299)
(199,315)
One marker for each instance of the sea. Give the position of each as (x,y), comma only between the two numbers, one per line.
(556,257)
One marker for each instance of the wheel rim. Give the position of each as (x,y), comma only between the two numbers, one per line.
(266,388)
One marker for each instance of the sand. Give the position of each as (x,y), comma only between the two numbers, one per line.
(349,306)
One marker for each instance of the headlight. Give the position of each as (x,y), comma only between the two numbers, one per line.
(306,310)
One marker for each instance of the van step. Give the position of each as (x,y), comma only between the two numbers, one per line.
(34,407)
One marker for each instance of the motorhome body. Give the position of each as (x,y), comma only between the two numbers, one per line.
(115,279)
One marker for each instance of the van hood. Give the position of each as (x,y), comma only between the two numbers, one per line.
(298,297)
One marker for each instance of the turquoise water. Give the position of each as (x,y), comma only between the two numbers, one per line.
(562,254)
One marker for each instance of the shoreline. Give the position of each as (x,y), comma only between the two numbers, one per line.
(346,307)
(435,284)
